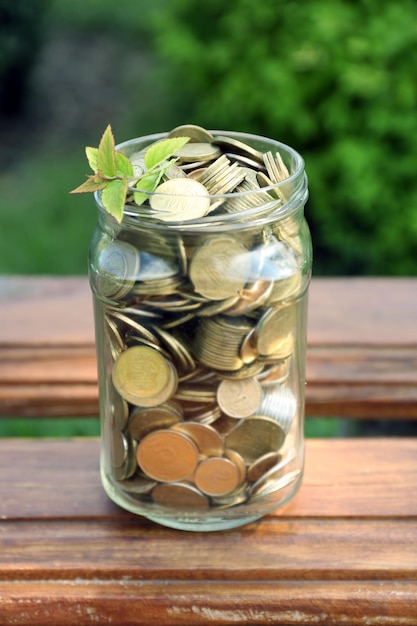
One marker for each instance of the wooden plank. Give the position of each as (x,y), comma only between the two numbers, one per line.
(343,551)
(350,478)
(362,356)
(276,548)
(199,604)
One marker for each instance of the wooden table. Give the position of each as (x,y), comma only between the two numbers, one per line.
(344,551)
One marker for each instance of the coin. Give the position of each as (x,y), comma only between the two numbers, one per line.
(197,134)
(216,476)
(154,267)
(206,438)
(138,485)
(145,420)
(220,267)
(230,144)
(239,398)
(167,456)
(217,341)
(279,476)
(237,459)
(254,436)
(274,331)
(143,376)
(123,455)
(119,448)
(200,152)
(180,199)
(180,496)
(262,465)
(117,267)
(115,339)
(119,409)
(280,404)
(251,297)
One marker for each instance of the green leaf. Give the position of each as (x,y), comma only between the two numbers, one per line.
(113,198)
(162,150)
(147,183)
(123,165)
(92,158)
(106,160)
(90,185)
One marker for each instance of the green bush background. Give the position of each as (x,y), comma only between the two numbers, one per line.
(336,79)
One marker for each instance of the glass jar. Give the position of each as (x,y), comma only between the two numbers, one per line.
(201,343)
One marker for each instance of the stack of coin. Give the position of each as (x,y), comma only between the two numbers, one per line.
(200,332)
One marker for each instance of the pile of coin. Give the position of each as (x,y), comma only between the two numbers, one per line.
(200,327)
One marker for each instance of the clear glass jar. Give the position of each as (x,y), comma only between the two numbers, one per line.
(201,343)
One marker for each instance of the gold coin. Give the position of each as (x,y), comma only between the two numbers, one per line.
(217,341)
(123,455)
(248,350)
(180,496)
(281,475)
(117,267)
(237,459)
(251,297)
(274,331)
(137,485)
(145,420)
(230,144)
(197,134)
(144,377)
(167,456)
(219,268)
(206,438)
(119,409)
(201,151)
(216,476)
(180,199)
(115,338)
(119,448)
(254,436)
(239,398)
(235,497)
(262,465)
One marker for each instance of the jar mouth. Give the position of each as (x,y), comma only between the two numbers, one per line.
(293,188)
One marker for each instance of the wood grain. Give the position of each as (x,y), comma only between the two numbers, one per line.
(344,551)
(362,347)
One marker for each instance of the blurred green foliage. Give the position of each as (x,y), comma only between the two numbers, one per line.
(334,78)
(21,30)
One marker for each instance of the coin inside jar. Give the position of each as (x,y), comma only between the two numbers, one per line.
(254,436)
(118,265)
(239,398)
(143,376)
(180,199)
(219,269)
(167,456)
(145,420)
(207,439)
(217,476)
(180,496)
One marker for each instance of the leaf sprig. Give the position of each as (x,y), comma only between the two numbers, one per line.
(114,174)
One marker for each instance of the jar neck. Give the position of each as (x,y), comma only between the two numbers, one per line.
(243,208)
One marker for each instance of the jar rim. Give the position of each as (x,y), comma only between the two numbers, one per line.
(275,209)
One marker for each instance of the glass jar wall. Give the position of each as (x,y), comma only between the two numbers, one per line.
(201,340)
